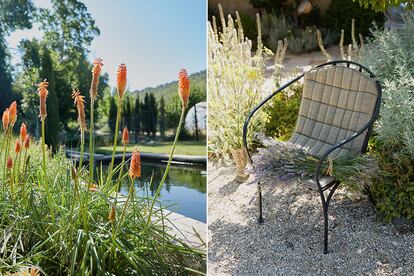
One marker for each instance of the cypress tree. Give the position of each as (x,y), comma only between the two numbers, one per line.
(137,118)
(146,116)
(112,114)
(52,119)
(162,117)
(153,108)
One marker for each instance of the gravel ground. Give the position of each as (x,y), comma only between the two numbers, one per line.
(290,240)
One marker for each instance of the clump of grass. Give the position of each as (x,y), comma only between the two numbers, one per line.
(55,220)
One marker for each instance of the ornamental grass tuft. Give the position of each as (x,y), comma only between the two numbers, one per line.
(58,219)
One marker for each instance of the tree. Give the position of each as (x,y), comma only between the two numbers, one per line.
(112,114)
(69,29)
(127,114)
(14,15)
(52,120)
(146,115)
(137,117)
(162,122)
(195,123)
(153,111)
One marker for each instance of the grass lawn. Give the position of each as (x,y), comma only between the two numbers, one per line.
(184,148)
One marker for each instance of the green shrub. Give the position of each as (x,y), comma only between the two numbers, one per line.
(300,40)
(281,113)
(390,55)
(339,16)
(305,40)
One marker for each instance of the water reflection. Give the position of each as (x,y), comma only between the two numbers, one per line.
(184,190)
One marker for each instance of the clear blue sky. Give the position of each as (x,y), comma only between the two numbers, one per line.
(154,38)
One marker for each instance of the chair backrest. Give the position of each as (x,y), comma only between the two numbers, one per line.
(337,101)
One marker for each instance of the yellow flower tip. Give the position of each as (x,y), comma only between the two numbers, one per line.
(184,86)
(23,132)
(42,91)
(112,214)
(96,71)
(121,79)
(6,119)
(9,163)
(26,143)
(93,187)
(135,166)
(18,146)
(80,105)
(125,136)
(13,113)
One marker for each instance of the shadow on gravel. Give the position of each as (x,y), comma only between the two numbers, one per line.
(290,240)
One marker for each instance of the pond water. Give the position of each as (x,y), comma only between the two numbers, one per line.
(184,190)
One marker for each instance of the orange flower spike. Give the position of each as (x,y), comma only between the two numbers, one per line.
(122,79)
(135,166)
(125,136)
(112,214)
(80,105)
(96,71)
(13,113)
(26,143)
(6,120)
(23,132)
(9,163)
(184,87)
(18,146)
(42,91)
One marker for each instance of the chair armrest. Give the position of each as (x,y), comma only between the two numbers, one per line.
(246,123)
(350,138)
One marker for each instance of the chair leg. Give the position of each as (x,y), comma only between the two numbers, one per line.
(259,194)
(325,216)
(326,225)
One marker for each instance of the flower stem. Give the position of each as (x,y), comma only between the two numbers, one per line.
(167,169)
(118,115)
(91,147)
(6,142)
(49,199)
(43,148)
(81,150)
(122,165)
(130,195)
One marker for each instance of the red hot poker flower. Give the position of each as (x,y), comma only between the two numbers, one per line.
(135,166)
(184,87)
(13,113)
(125,136)
(23,132)
(121,79)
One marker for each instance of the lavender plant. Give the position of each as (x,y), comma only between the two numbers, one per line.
(235,79)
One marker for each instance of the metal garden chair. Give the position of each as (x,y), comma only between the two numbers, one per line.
(340,102)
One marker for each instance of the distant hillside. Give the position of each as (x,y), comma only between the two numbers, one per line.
(168,90)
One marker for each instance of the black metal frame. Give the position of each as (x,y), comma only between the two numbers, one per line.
(334,184)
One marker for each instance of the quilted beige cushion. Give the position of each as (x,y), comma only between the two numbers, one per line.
(337,101)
